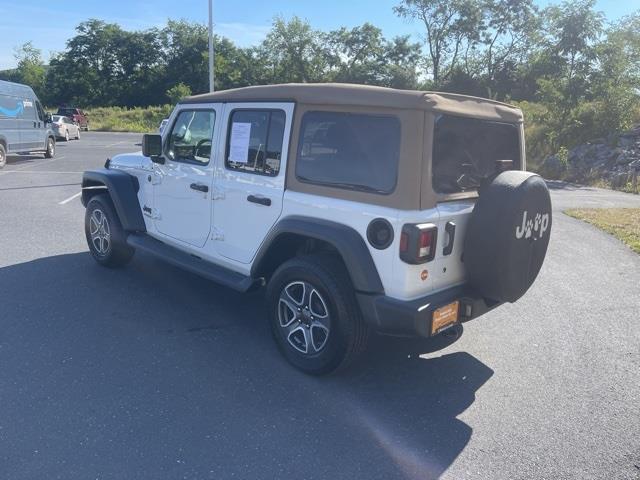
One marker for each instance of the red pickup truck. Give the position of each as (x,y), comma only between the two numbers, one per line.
(78,116)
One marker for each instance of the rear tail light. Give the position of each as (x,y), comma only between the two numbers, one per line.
(418,243)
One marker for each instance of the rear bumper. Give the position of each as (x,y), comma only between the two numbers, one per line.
(413,317)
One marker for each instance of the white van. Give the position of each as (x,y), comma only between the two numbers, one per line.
(24,126)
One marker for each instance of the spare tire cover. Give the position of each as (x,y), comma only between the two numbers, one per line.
(507,235)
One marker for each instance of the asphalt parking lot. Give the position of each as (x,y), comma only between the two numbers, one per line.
(153,373)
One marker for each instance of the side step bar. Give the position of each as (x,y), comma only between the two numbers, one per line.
(196,265)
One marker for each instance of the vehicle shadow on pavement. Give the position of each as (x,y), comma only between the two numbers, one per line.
(106,354)
(23,159)
(409,395)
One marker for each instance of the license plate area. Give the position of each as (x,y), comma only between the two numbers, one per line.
(444,317)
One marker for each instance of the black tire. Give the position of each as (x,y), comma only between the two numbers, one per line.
(66,135)
(114,251)
(51,148)
(347,332)
(3,156)
(508,235)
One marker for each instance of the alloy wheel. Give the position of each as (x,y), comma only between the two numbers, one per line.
(304,317)
(100,232)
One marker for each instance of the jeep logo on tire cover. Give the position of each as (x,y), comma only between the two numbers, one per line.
(533,227)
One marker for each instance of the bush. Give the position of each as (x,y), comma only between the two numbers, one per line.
(119,119)
(178,92)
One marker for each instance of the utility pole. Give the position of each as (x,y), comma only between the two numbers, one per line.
(211,53)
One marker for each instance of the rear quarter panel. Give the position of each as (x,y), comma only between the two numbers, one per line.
(400,280)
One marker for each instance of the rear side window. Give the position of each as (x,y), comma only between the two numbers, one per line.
(465,151)
(349,150)
(254,141)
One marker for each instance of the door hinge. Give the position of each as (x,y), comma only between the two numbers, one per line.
(217,234)
(151,212)
(217,194)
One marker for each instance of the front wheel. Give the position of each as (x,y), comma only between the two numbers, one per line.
(315,319)
(51,148)
(78,134)
(105,236)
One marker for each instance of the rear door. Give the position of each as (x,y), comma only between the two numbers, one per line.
(250,178)
(452,224)
(465,152)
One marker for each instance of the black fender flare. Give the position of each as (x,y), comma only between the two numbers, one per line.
(347,242)
(123,190)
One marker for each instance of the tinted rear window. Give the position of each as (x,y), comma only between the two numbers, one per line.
(348,150)
(465,150)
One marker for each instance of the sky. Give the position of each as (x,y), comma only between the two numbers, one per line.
(50,23)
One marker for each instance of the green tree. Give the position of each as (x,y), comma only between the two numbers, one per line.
(451,28)
(292,52)
(185,55)
(178,92)
(31,70)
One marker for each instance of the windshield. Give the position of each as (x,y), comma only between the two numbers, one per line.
(466,150)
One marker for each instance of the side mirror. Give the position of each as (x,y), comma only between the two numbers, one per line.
(47,118)
(152,147)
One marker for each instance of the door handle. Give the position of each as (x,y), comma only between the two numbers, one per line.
(450,228)
(200,187)
(261,200)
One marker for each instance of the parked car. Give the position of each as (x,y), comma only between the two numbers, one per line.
(64,128)
(76,115)
(163,124)
(359,208)
(24,125)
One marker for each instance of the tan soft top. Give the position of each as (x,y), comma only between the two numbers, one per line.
(345,94)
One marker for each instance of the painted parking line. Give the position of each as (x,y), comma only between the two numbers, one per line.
(67,200)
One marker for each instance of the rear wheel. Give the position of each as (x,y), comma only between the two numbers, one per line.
(105,236)
(315,319)
(78,134)
(3,156)
(51,148)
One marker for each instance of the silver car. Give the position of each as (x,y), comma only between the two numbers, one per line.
(63,127)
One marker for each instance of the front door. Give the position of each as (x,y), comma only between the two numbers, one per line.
(29,130)
(184,183)
(251,176)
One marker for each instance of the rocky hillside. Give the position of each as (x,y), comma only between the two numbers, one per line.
(608,160)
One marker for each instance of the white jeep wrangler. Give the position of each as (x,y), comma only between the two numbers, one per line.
(358,207)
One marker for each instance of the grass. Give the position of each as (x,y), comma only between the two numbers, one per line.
(120,119)
(622,223)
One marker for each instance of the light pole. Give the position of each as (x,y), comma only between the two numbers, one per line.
(211,53)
